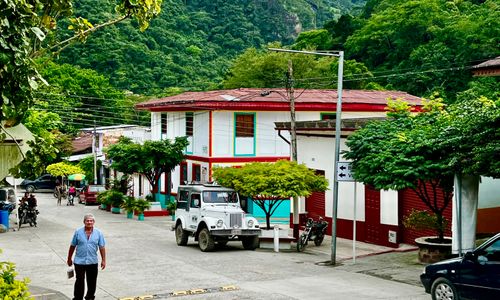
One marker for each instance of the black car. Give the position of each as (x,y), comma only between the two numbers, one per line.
(476,275)
(44,182)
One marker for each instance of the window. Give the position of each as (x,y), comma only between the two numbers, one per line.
(195,200)
(196,173)
(163,123)
(220,197)
(182,201)
(327,116)
(245,125)
(184,173)
(189,124)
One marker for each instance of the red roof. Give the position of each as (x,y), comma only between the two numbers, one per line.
(276,100)
(82,143)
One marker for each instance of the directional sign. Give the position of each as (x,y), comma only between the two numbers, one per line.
(344,172)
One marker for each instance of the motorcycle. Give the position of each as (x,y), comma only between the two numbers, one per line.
(27,214)
(314,231)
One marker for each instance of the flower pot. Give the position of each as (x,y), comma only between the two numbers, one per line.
(115,210)
(103,206)
(130,215)
(431,251)
(173,217)
(140,217)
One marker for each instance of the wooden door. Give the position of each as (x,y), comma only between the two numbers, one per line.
(373,229)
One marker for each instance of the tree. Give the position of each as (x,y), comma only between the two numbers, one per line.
(400,153)
(151,159)
(424,151)
(49,146)
(63,169)
(425,45)
(269,184)
(28,29)
(266,69)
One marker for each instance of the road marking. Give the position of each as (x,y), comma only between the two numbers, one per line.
(181,293)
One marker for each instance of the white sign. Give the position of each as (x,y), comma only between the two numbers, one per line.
(344,172)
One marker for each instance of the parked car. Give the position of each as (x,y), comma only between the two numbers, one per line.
(7,197)
(476,275)
(88,194)
(45,182)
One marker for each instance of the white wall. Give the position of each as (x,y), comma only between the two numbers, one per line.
(200,133)
(489,193)
(319,153)
(156,126)
(389,207)
(222,133)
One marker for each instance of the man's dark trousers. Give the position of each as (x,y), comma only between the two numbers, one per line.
(90,273)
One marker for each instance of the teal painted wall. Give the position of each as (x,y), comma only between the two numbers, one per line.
(281,215)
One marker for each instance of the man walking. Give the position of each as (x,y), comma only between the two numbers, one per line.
(86,240)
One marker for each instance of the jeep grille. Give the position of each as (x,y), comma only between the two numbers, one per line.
(236,220)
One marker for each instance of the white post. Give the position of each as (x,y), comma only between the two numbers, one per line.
(354,228)
(276,238)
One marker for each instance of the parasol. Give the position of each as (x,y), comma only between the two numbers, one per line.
(76,177)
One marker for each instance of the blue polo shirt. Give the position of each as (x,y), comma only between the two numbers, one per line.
(86,249)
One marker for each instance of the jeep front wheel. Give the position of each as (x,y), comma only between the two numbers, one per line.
(181,236)
(206,241)
(250,242)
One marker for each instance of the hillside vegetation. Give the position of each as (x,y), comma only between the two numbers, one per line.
(191,44)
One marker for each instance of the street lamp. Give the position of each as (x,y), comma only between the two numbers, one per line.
(338,118)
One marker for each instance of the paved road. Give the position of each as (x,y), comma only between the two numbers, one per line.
(143,259)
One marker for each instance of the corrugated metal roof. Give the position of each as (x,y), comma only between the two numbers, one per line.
(495,62)
(274,99)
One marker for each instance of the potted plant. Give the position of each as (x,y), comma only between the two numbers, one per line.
(171,207)
(116,200)
(431,249)
(140,206)
(103,200)
(129,204)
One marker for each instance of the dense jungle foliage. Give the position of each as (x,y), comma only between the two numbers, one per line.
(191,43)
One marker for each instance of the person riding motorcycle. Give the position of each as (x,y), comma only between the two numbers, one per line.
(27,211)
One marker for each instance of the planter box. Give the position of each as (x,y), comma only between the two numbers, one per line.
(430,251)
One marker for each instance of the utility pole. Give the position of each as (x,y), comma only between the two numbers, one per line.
(338,118)
(293,137)
(94,147)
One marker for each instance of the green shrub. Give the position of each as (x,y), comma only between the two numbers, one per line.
(10,288)
(129,204)
(110,197)
(141,205)
(422,220)
(171,207)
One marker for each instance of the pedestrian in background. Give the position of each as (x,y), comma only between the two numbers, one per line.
(86,240)
(59,192)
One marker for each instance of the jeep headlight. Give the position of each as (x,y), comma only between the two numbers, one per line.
(220,223)
(250,223)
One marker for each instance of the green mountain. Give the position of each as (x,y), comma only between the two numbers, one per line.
(191,44)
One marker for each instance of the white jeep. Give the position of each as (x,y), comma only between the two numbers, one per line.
(212,214)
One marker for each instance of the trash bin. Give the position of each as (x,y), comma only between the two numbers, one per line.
(4,218)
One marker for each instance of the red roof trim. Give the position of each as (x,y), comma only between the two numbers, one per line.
(271,106)
(255,100)
(212,160)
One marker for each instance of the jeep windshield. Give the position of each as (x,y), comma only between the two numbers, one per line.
(220,197)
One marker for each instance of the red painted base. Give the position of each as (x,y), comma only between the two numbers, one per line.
(154,213)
